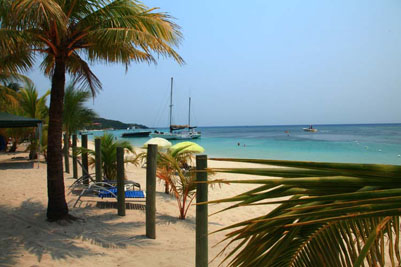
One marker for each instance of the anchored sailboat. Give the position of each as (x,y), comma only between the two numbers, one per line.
(177,132)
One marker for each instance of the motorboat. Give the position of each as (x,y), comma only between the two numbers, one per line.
(310,129)
(136,133)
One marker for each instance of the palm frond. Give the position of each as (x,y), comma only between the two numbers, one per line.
(331,214)
(31,13)
(109,154)
(82,74)
(76,115)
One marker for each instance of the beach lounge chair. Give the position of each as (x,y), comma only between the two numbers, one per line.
(106,190)
(89,179)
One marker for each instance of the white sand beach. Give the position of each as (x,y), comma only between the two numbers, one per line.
(102,238)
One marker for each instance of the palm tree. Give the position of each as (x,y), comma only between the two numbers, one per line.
(108,150)
(178,179)
(62,32)
(327,214)
(8,98)
(33,106)
(75,114)
(9,88)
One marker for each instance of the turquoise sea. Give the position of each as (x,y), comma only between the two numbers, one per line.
(362,143)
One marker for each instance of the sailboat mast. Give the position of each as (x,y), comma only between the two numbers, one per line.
(171,103)
(189,113)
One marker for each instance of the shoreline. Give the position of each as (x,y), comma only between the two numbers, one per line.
(351,144)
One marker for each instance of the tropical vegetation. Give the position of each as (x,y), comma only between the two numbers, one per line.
(108,150)
(76,115)
(326,214)
(33,106)
(22,100)
(9,87)
(173,169)
(68,35)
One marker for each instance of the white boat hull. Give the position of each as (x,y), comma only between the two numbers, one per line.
(310,130)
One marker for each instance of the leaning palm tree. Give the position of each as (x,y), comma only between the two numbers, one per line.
(327,214)
(75,114)
(63,32)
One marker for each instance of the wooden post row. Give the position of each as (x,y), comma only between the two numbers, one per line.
(84,144)
(151,165)
(74,157)
(98,160)
(120,182)
(201,257)
(66,154)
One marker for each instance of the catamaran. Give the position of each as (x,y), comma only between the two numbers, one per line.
(178,132)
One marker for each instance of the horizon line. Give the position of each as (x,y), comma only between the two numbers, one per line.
(275,125)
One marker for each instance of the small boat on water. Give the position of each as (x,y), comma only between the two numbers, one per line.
(85,132)
(136,133)
(310,129)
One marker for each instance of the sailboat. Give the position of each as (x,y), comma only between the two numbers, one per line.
(178,132)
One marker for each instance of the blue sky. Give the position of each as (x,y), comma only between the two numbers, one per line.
(265,63)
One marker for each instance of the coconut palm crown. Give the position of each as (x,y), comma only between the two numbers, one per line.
(68,35)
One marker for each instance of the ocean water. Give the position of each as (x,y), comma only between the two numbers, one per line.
(368,143)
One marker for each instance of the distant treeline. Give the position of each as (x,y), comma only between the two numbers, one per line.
(101,123)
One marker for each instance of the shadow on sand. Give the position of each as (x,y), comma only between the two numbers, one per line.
(24,229)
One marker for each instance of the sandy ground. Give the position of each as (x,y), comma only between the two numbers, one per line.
(102,238)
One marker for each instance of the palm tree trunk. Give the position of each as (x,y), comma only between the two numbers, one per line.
(33,154)
(57,206)
(166,188)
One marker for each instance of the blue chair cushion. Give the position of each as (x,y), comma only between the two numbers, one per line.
(128,194)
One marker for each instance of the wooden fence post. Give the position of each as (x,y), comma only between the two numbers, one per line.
(85,170)
(98,160)
(66,154)
(151,165)
(120,182)
(201,257)
(74,156)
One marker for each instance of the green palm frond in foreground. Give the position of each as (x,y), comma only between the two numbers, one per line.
(327,214)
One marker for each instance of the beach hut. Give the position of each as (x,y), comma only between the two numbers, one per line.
(8,120)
